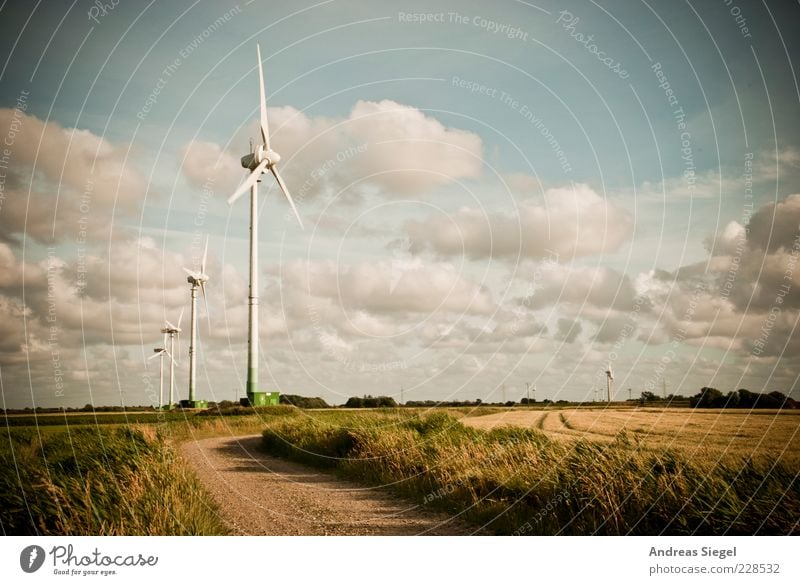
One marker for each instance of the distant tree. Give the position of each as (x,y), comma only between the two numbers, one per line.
(649,397)
(303,401)
(354,402)
(707,398)
(369,401)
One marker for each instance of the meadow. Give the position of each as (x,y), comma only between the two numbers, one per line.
(503,471)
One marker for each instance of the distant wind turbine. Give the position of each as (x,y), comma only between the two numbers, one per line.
(171,331)
(160,352)
(197,279)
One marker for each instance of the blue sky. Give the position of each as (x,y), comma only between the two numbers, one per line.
(457,89)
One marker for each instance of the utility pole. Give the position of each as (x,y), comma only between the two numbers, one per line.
(528,391)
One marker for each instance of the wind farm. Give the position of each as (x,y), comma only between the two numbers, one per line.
(448,272)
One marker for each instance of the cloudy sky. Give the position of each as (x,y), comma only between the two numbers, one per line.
(493,194)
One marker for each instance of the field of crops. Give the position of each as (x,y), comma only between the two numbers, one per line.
(545,480)
(705,435)
(508,471)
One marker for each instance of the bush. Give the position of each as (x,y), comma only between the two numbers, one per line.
(370,402)
(304,401)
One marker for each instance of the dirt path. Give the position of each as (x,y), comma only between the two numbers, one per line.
(263,495)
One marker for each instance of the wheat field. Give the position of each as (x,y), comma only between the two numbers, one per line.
(707,434)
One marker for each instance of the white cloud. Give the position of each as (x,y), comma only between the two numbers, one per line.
(385,288)
(71,174)
(568,223)
(395,148)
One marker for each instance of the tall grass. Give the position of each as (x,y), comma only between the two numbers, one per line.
(518,481)
(103,480)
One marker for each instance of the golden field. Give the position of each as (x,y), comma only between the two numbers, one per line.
(701,434)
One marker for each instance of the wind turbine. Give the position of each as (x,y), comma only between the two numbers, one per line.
(259,160)
(197,279)
(160,352)
(170,331)
(609,381)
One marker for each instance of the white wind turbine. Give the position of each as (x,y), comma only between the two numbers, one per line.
(609,380)
(261,159)
(160,352)
(171,331)
(197,279)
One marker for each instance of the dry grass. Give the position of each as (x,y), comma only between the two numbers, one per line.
(106,480)
(772,435)
(517,480)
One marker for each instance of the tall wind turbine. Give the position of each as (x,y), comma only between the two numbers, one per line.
(197,279)
(171,331)
(609,381)
(160,352)
(261,159)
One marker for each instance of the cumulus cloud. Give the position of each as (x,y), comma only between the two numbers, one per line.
(569,222)
(568,330)
(598,286)
(390,287)
(775,226)
(61,175)
(205,162)
(746,296)
(388,146)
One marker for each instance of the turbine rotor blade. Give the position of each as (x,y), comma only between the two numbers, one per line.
(205,302)
(180,318)
(249,181)
(169,325)
(263,101)
(155,355)
(203,263)
(285,190)
(191,273)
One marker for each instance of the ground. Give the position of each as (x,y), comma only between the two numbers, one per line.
(262,495)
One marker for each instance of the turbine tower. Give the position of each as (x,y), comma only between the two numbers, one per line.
(609,381)
(171,331)
(196,279)
(261,159)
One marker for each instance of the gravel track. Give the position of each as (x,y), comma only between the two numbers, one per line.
(258,494)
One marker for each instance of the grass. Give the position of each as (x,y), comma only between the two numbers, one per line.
(106,480)
(114,474)
(515,480)
(102,476)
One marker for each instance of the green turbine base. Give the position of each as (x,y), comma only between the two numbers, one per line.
(262,399)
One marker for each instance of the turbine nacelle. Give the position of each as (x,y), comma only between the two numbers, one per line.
(260,154)
(262,158)
(196,279)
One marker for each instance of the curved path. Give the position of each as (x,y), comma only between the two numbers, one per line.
(258,494)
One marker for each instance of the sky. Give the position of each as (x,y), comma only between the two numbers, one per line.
(495,197)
